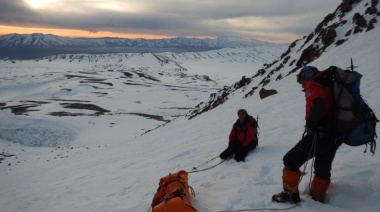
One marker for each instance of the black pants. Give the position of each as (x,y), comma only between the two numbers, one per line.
(325,149)
(235,145)
(237,148)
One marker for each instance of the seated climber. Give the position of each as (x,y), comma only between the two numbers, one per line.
(243,137)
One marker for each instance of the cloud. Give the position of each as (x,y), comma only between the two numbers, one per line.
(266,20)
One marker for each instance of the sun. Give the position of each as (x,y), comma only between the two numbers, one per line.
(36,4)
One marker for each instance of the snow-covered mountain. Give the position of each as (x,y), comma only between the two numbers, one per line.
(31,46)
(352,20)
(49,40)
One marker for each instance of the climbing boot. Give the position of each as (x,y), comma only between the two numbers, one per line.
(286,197)
(318,188)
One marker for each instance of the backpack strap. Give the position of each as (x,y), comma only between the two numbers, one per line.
(374,121)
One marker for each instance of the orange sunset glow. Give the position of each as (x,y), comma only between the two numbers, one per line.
(74,33)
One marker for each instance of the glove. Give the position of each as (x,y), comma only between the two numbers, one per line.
(226,153)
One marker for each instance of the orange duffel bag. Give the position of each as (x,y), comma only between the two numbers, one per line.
(173,194)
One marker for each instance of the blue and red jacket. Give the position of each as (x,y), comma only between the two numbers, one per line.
(245,132)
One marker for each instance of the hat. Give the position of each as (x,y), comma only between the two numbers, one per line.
(307,72)
(242,111)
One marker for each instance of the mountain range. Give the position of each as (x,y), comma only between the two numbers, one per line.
(31,46)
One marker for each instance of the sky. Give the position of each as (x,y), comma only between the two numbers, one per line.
(272,20)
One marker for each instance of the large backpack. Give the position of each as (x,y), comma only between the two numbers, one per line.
(355,121)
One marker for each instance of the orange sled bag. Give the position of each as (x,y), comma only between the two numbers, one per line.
(173,194)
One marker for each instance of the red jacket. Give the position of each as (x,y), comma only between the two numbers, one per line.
(319,101)
(244,132)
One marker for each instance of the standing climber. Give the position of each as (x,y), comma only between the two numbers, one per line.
(318,140)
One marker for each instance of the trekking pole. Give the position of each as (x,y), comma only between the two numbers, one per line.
(195,168)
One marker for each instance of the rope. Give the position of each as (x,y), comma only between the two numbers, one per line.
(312,150)
(263,209)
(193,194)
(194,168)
(252,209)
(311,155)
(313,147)
(208,168)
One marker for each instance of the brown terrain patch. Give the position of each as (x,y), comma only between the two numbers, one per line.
(265,93)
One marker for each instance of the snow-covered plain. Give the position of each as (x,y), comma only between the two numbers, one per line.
(112,161)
